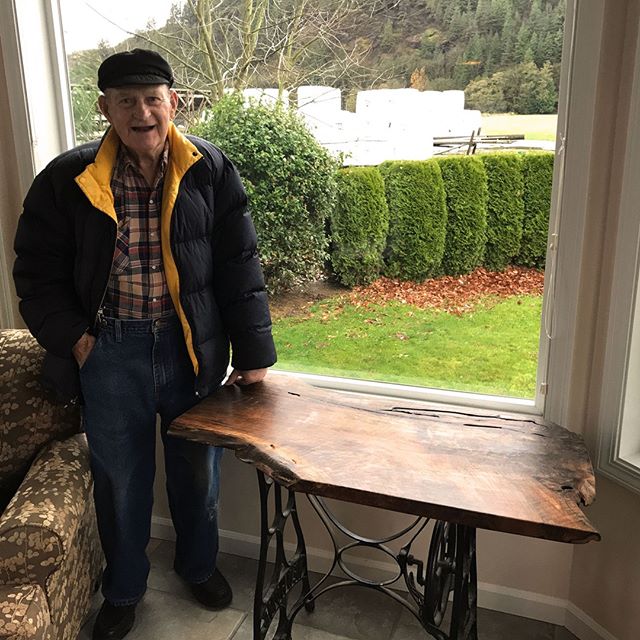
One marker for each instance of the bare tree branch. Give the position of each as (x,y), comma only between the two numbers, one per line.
(284,43)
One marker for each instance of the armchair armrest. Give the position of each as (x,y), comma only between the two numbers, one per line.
(24,613)
(41,521)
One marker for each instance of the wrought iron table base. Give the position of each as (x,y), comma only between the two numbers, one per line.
(450,567)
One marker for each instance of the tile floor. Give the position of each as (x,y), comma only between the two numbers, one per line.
(168,612)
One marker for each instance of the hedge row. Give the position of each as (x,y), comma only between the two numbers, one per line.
(537,169)
(359,226)
(410,220)
(465,184)
(416,219)
(505,208)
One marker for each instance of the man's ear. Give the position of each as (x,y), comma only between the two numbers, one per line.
(104,108)
(173,98)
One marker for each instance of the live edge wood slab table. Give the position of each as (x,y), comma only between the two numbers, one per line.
(462,470)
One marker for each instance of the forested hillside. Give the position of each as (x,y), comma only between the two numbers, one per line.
(504,53)
(456,41)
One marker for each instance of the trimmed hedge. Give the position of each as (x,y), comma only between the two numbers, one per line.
(359,226)
(537,169)
(465,185)
(505,208)
(290,182)
(417,218)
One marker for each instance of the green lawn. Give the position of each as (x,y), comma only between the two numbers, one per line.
(534,127)
(492,349)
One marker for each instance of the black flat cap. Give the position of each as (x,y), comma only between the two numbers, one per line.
(138,66)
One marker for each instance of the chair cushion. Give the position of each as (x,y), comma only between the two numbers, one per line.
(39,527)
(28,417)
(24,613)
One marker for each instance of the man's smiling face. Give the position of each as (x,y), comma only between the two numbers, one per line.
(140,114)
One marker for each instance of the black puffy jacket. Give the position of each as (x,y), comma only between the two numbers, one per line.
(65,243)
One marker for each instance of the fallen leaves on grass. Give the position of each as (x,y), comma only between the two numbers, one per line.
(454,294)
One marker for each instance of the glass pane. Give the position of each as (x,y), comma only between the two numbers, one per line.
(443,288)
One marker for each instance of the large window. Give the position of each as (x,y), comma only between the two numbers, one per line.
(493,351)
(579,86)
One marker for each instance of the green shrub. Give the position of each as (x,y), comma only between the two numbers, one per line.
(359,226)
(417,218)
(505,208)
(529,89)
(521,88)
(486,94)
(537,169)
(290,180)
(465,186)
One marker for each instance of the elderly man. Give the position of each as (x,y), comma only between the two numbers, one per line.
(137,272)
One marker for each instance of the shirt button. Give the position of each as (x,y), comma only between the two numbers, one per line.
(151,201)
(153,300)
(154,267)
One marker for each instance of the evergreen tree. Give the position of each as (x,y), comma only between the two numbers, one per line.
(523,43)
(528,89)
(508,40)
(483,16)
(487,94)
(458,25)
(545,48)
(521,7)
(534,47)
(500,9)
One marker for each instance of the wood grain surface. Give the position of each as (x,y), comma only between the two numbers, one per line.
(505,472)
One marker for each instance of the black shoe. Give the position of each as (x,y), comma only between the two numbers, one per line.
(113,623)
(214,593)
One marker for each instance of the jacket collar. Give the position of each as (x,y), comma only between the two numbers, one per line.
(182,152)
(95,180)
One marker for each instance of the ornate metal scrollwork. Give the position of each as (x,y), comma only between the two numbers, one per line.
(440,573)
(450,567)
(464,621)
(272,600)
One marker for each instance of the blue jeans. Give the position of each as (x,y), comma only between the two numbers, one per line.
(139,368)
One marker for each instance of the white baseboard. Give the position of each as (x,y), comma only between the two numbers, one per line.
(527,604)
(583,626)
(519,602)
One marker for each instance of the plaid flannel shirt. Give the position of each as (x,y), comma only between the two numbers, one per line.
(137,285)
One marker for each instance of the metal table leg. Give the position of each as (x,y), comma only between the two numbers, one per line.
(450,567)
(272,598)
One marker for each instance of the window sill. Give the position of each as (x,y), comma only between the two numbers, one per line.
(625,472)
(407,392)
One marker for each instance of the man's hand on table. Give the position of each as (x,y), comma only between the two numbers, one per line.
(83,348)
(238,376)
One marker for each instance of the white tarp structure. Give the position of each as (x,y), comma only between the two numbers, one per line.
(388,124)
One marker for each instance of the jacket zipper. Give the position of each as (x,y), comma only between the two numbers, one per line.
(106,286)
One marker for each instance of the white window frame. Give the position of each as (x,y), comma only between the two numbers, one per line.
(42,112)
(576,125)
(619,441)
(36,68)
(39,103)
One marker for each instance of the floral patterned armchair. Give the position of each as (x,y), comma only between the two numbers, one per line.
(50,556)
